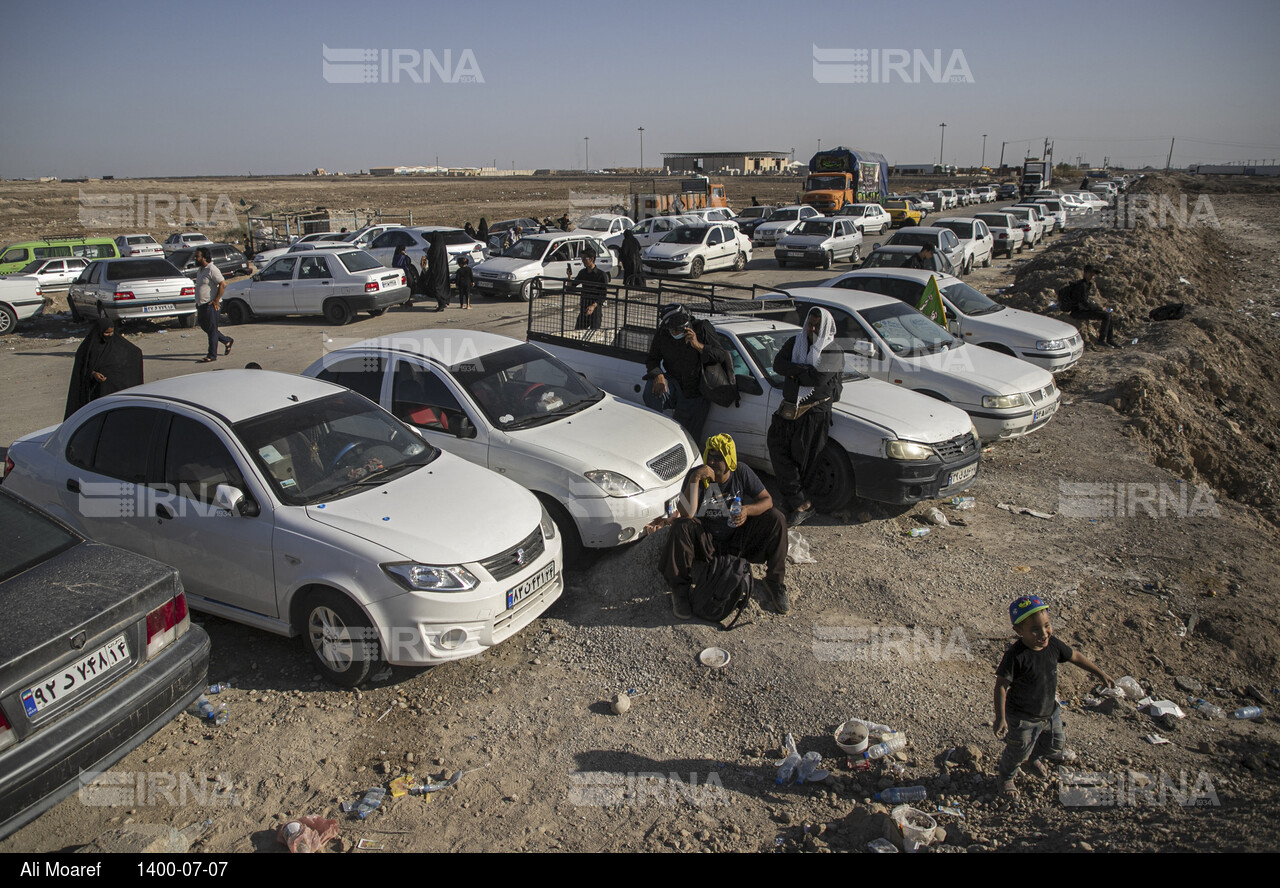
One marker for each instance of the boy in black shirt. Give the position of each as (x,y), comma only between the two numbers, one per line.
(464,281)
(1027,692)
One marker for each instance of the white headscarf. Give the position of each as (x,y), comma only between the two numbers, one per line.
(804,353)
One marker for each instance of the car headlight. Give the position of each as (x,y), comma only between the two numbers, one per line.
(431,578)
(679,257)
(614,484)
(1051,344)
(908,450)
(506,276)
(1000,402)
(548,526)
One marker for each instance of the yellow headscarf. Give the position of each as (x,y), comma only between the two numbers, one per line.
(722,444)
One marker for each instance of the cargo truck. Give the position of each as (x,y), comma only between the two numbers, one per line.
(844,176)
(1036,174)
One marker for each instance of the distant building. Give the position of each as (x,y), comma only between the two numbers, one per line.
(714,161)
(1206,169)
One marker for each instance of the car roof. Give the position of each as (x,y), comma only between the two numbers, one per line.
(922,229)
(917,275)
(444,346)
(856,300)
(235,395)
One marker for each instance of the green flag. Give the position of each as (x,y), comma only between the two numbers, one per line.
(931,303)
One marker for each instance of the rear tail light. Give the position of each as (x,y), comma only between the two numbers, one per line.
(188,291)
(372,286)
(166,623)
(8,465)
(122,294)
(6,733)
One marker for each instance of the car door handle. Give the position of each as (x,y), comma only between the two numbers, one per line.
(163,512)
(73,485)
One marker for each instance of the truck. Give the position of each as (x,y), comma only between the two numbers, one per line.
(844,176)
(666,197)
(886,444)
(1036,174)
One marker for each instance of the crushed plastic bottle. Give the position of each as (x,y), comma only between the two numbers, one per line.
(808,771)
(919,531)
(218,688)
(372,799)
(1247,712)
(959,501)
(1207,708)
(787,768)
(886,747)
(899,794)
(213,713)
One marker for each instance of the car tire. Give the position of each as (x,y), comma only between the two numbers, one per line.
(570,539)
(8,320)
(187,321)
(237,312)
(856,256)
(530,290)
(827,259)
(695,270)
(340,637)
(740,262)
(986,263)
(76,317)
(337,312)
(830,482)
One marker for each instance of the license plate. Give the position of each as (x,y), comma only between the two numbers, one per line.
(150,308)
(1044,412)
(85,671)
(531,585)
(962,475)
(485,285)
(796,253)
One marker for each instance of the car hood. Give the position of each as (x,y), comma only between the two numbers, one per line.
(981,371)
(666,251)
(1028,323)
(903,414)
(805,240)
(610,435)
(764,227)
(447,512)
(509,265)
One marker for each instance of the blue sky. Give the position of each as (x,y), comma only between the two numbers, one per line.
(134,89)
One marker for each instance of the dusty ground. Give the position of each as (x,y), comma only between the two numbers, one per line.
(904,631)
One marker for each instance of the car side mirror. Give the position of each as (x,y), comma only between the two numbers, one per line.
(749,385)
(953,328)
(232,499)
(875,246)
(863,349)
(463,427)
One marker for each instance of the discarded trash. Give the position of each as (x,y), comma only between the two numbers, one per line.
(798,550)
(1023,510)
(1247,712)
(882,846)
(954,812)
(1022,569)
(919,532)
(1131,688)
(1155,739)
(1160,708)
(402,785)
(885,747)
(714,657)
(425,788)
(372,799)
(369,845)
(788,767)
(808,771)
(1145,702)
(218,688)
(963,503)
(213,713)
(917,826)
(620,704)
(385,714)
(935,517)
(307,835)
(852,736)
(1090,701)
(1207,708)
(898,794)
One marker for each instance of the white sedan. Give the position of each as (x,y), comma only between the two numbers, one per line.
(649,231)
(52,274)
(300,508)
(871,218)
(337,284)
(603,468)
(266,257)
(415,241)
(693,249)
(977,240)
(822,241)
(783,221)
(181,240)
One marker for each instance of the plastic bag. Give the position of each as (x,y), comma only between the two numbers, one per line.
(798,551)
(307,835)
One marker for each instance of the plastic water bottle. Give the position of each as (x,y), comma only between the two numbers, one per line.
(218,688)
(788,767)
(959,501)
(214,714)
(1207,708)
(919,531)
(1247,712)
(372,799)
(808,765)
(735,510)
(899,794)
(880,750)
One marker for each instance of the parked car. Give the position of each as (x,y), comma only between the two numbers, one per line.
(1031,222)
(1006,232)
(649,231)
(301,508)
(904,212)
(603,225)
(138,245)
(105,658)
(265,258)
(456,242)
(338,284)
(781,223)
(498,230)
(52,274)
(603,468)
(707,215)
(1007,191)
(132,289)
(951,198)
(929,201)
(181,239)
(362,237)
(1005,397)
(823,241)
(225,257)
(1091,200)
(20,298)
(975,318)
(537,261)
(944,241)
(692,249)
(899,255)
(868,216)
(14,256)
(1047,219)
(975,238)
(1054,209)
(750,217)
(988,194)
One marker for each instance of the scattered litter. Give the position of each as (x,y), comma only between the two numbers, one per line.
(882,846)
(308,834)
(1247,712)
(714,657)
(401,785)
(963,503)
(1155,739)
(369,845)
(917,827)
(388,712)
(1129,685)
(918,532)
(954,812)
(798,550)
(852,736)
(372,799)
(425,788)
(1145,702)
(808,771)
(935,517)
(1023,510)
(1161,708)
(1022,569)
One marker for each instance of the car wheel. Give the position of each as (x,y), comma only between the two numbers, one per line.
(340,637)
(829,482)
(827,259)
(740,263)
(856,256)
(986,263)
(337,312)
(237,312)
(76,317)
(187,321)
(530,290)
(966,267)
(8,320)
(695,270)
(570,539)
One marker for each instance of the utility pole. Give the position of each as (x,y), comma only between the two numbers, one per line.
(1002,144)
(1168,163)
(586,156)
(942,141)
(984,150)
(641,129)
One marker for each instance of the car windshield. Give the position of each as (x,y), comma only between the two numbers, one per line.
(358,260)
(595,223)
(896,204)
(181,258)
(784,215)
(755,212)
(962,229)
(527,248)
(686,234)
(970,301)
(523,386)
(136,269)
(28,537)
(828,183)
(886,259)
(907,332)
(323,449)
(822,229)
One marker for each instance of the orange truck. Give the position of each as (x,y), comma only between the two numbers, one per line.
(668,197)
(844,176)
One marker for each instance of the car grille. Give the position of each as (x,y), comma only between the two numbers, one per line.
(511,561)
(670,464)
(1039,396)
(957,448)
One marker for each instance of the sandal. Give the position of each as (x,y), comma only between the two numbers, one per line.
(1008,789)
(226,349)
(1038,768)
(206,360)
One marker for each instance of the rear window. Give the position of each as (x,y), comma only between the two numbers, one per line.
(914,240)
(453,238)
(141,239)
(28,537)
(140,268)
(358,260)
(964,229)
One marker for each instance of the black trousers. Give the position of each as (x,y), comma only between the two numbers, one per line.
(1096,314)
(794,445)
(762,539)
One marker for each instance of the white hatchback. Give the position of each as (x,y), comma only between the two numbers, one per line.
(298,507)
(783,221)
(693,249)
(823,241)
(336,283)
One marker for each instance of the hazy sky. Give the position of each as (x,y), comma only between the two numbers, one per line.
(135,89)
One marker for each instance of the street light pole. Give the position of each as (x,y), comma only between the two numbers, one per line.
(641,129)
(586,157)
(984,149)
(942,142)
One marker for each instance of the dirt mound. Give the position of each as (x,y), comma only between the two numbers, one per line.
(1202,392)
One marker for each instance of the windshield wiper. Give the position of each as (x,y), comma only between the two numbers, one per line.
(531,421)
